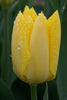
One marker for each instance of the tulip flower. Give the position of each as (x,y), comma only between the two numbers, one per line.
(35,46)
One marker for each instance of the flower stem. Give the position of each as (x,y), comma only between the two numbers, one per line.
(33,92)
(45,97)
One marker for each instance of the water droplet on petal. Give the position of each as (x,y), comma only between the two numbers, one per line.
(18,46)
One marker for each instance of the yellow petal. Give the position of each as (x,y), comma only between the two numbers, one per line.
(20,45)
(54,30)
(33,14)
(26,10)
(30,12)
(38,67)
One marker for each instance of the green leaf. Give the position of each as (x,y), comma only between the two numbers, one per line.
(46,93)
(62,4)
(62,66)
(54,4)
(21,90)
(57,5)
(52,90)
(12,74)
(14,5)
(1,26)
(5,92)
(15,8)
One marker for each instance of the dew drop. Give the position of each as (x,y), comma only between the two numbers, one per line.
(18,46)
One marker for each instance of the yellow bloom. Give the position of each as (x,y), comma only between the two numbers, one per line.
(35,46)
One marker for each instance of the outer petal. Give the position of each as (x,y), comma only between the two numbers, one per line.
(30,12)
(33,14)
(21,45)
(54,28)
(38,68)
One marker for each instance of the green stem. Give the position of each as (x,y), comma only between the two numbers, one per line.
(33,92)
(47,91)
(45,97)
(5,71)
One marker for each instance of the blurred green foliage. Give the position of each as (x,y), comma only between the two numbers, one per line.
(16,89)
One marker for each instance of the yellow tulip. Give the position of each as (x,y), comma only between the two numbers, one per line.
(35,46)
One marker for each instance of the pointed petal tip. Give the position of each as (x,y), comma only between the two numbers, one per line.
(26,7)
(55,14)
(42,15)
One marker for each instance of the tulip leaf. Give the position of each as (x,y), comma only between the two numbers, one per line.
(46,93)
(62,4)
(5,92)
(12,74)
(21,90)
(54,4)
(14,6)
(52,90)
(62,66)
(1,26)
(57,5)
